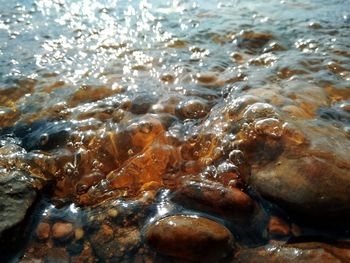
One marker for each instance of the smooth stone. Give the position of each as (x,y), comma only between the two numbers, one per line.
(62,231)
(253,40)
(311,179)
(190,238)
(278,227)
(79,233)
(213,197)
(312,252)
(43,231)
(310,186)
(142,103)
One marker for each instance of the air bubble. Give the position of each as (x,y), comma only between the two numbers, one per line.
(192,109)
(258,111)
(44,139)
(145,127)
(236,157)
(270,127)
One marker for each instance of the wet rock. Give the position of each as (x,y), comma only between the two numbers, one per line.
(177,43)
(18,193)
(86,255)
(112,212)
(41,135)
(308,99)
(207,78)
(214,197)
(278,227)
(253,40)
(62,231)
(309,185)
(112,243)
(296,112)
(43,231)
(142,103)
(309,179)
(190,238)
(78,233)
(301,252)
(89,93)
(167,78)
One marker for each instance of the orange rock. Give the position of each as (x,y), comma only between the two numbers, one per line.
(214,197)
(190,238)
(62,231)
(206,78)
(107,230)
(43,231)
(278,227)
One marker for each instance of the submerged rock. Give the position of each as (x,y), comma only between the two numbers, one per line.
(112,243)
(62,231)
(214,197)
(301,252)
(43,231)
(309,185)
(190,238)
(311,179)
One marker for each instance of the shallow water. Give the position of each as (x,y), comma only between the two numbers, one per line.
(116,100)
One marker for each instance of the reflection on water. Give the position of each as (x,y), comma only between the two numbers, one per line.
(110,101)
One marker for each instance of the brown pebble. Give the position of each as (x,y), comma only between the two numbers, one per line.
(62,231)
(206,78)
(112,212)
(253,40)
(78,233)
(278,227)
(216,198)
(43,231)
(190,238)
(167,78)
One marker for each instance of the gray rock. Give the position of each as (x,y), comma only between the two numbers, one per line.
(17,194)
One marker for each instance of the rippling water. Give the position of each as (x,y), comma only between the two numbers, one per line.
(116,99)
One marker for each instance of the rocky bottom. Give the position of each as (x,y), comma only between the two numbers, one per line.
(174,131)
(264,187)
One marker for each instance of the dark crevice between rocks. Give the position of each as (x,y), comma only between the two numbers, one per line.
(312,229)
